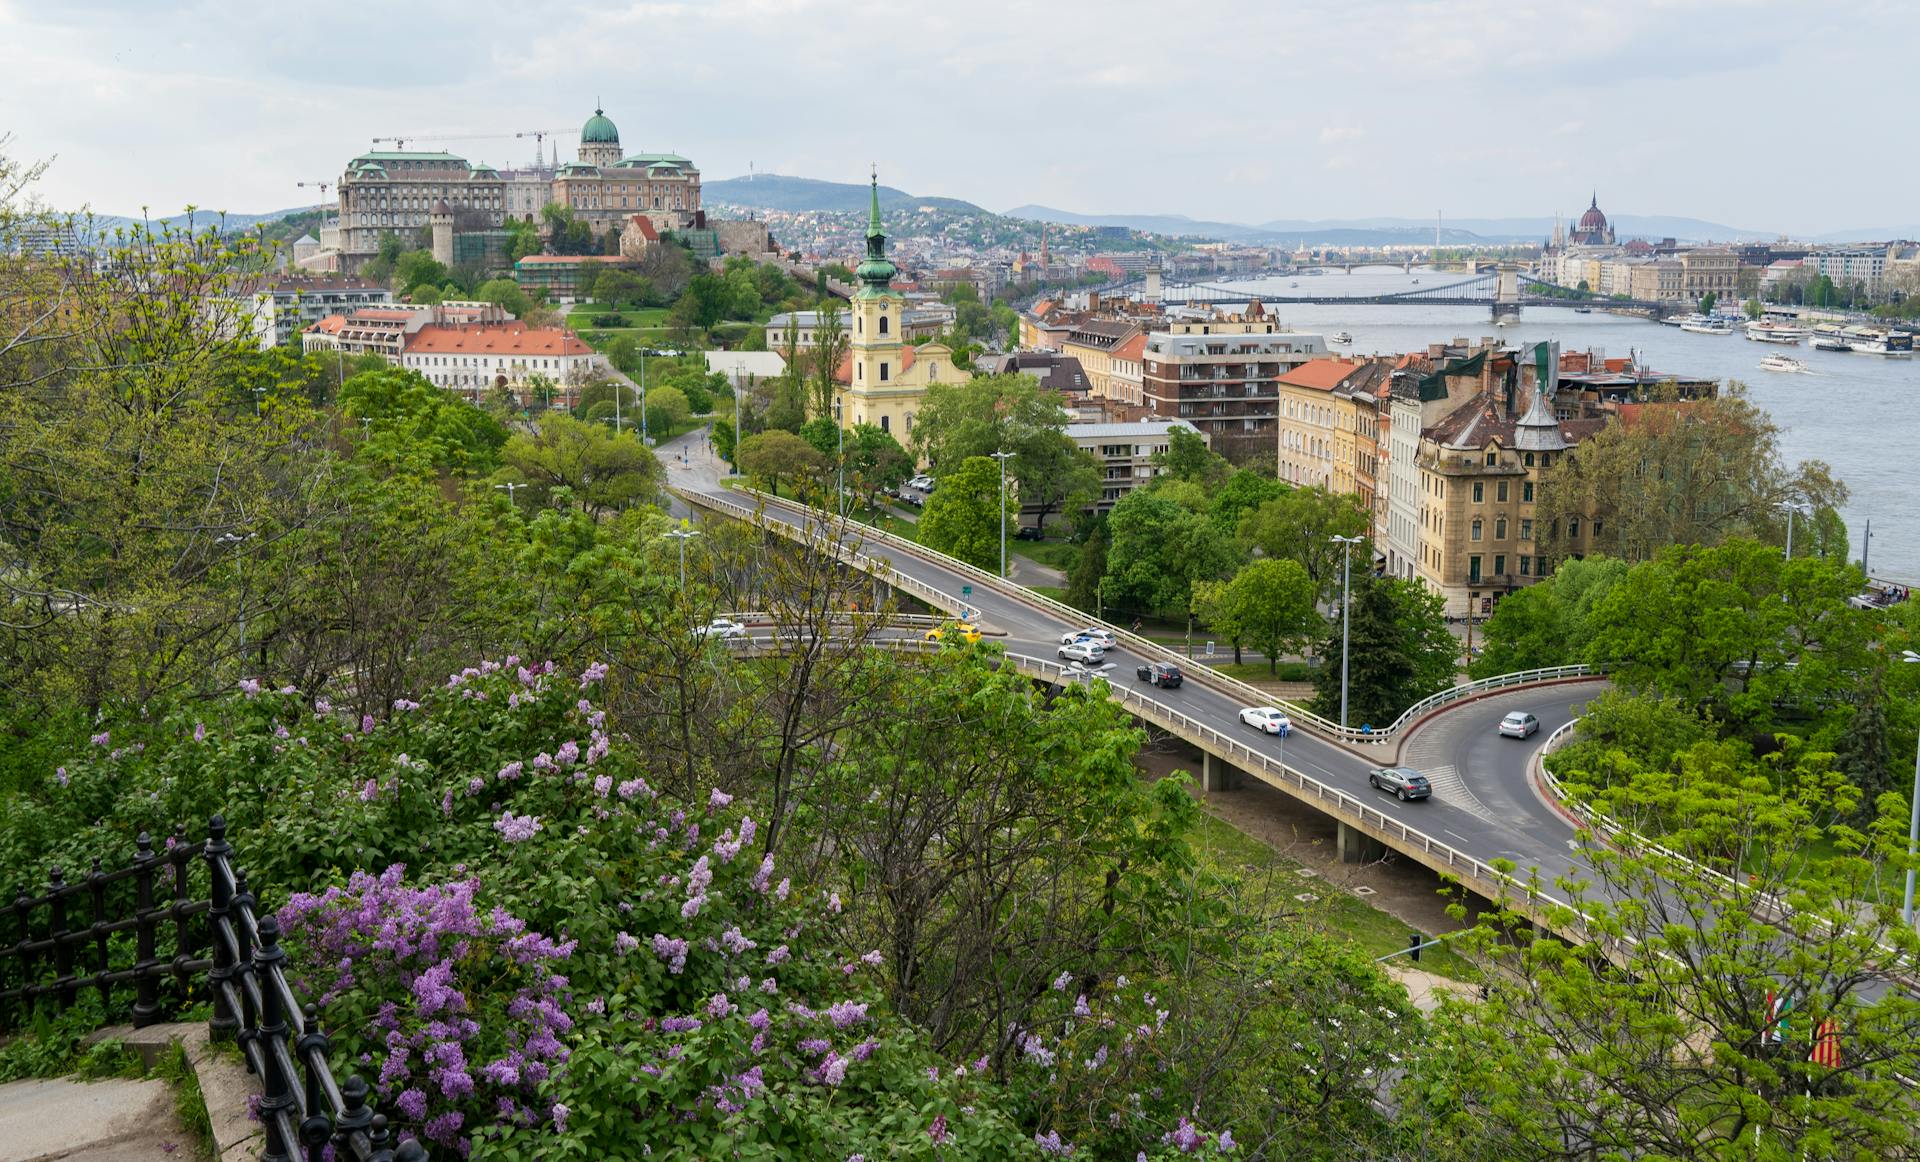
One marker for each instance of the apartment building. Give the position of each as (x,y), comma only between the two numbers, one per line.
(1125,452)
(1225,384)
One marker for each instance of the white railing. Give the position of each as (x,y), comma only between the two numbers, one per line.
(1147,647)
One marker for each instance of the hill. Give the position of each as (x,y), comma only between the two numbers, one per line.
(778,192)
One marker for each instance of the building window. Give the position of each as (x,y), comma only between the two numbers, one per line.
(1473,570)
(1493,458)
(860,324)
(1526,566)
(1499,565)
(859,371)
(1529,460)
(883,373)
(1476,531)
(1526,491)
(1500,492)
(1526,530)
(1573,528)
(1500,534)
(1479,492)
(883,324)
(885,426)
(1540,566)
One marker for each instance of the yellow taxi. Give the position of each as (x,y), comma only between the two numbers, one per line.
(962,630)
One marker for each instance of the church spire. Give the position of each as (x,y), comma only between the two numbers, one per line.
(873,212)
(875,272)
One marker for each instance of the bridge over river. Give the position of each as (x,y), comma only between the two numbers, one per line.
(1505,290)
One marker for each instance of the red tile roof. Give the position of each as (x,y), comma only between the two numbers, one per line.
(1321,374)
(844,372)
(644,224)
(496,339)
(1132,349)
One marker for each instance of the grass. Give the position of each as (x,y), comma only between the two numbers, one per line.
(1258,672)
(1343,915)
(1053,554)
(649,317)
(189,1103)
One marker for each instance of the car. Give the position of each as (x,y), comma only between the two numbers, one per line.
(1084,651)
(1519,724)
(963,630)
(1403,783)
(724,628)
(1165,675)
(1267,719)
(1028,533)
(1101,636)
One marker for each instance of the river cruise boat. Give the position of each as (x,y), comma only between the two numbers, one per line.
(1828,337)
(1773,331)
(1782,362)
(1342,338)
(1705,326)
(1873,341)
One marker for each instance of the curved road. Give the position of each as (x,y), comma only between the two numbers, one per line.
(1483,803)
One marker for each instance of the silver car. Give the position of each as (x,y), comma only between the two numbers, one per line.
(1519,724)
(1085,651)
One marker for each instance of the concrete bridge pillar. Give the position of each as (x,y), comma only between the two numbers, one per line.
(1153,284)
(1356,846)
(1217,774)
(1506,291)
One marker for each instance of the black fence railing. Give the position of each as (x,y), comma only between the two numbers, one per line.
(195,937)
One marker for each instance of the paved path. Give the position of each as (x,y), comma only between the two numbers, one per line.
(90,1121)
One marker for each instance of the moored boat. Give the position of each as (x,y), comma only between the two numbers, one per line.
(1768,331)
(1781,362)
(1342,338)
(1873,341)
(1828,337)
(1708,327)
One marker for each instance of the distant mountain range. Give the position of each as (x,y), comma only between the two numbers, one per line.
(775,192)
(103,225)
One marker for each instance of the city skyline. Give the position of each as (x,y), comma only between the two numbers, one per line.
(1321,111)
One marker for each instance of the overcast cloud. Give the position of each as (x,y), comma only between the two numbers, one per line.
(1759,114)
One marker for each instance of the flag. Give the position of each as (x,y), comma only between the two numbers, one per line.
(1776,1028)
(1826,1046)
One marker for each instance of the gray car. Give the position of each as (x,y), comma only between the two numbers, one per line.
(1519,724)
(1402,782)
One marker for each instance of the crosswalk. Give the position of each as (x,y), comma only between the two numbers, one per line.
(1449,785)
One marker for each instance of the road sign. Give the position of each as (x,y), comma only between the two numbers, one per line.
(1209,649)
(966,591)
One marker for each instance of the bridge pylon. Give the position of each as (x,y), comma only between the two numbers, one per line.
(1506,293)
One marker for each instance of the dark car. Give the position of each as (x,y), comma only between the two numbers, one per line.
(1402,782)
(1162,674)
(1027,533)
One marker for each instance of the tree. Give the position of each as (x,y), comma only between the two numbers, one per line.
(1754,309)
(1398,651)
(1547,623)
(1269,604)
(1009,413)
(962,518)
(603,471)
(1243,492)
(1160,550)
(1053,473)
(667,408)
(831,344)
(1090,568)
(776,456)
(1707,301)
(505,293)
(1187,458)
(622,287)
(1679,473)
(411,422)
(1300,525)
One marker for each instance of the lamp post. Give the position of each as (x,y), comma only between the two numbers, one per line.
(1866,543)
(646,441)
(511,487)
(683,535)
(1346,616)
(1003,457)
(1913,821)
(231,539)
(733,461)
(1790,507)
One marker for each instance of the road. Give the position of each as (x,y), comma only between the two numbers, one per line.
(1483,804)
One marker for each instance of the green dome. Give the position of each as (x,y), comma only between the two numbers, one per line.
(599,131)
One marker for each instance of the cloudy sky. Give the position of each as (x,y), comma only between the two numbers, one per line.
(1754,113)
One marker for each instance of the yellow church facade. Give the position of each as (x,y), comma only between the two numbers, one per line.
(883,379)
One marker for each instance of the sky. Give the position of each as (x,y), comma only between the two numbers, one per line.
(1758,114)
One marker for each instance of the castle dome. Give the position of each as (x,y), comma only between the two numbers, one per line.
(1593,221)
(598,130)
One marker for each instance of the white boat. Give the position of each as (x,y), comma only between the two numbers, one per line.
(1293,284)
(1873,341)
(1683,320)
(1342,338)
(1765,331)
(1828,337)
(1781,362)
(1708,327)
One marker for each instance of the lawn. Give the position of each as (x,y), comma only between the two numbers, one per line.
(582,315)
(1059,555)
(1339,912)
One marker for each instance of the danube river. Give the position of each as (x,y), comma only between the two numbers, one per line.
(1848,409)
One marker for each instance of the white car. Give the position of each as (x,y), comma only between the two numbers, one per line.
(1086,651)
(1519,724)
(1101,636)
(1268,720)
(724,628)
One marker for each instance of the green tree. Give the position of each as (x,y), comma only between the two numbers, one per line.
(1089,568)
(1242,492)
(667,408)
(776,456)
(409,421)
(1754,309)
(1187,458)
(875,462)
(1052,474)
(1707,302)
(1300,525)
(506,293)
(962,518)
(1398,651)
(831,345)
(1268,605)
(1160,549)
(1547,623)
(602,471)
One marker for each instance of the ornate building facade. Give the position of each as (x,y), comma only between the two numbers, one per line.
(607,186)
(883,379)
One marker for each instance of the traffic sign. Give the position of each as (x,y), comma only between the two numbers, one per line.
(966,591)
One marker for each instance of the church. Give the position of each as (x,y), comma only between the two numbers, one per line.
(883,378)
(1593,228)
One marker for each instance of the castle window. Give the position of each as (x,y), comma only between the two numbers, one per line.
(1493,458)
(1500,491)
(859,371)
(1479,492)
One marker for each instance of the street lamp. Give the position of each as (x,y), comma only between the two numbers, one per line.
(231,539)
(511,488)
(1346,617)
(683,535)
(840,438)
(733,461)
(646,441)
(1913,821)
(1790,507)
(1003,457)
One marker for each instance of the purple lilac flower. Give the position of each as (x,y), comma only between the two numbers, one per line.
(692,907)
(716,799)
(510,772)
(603,786)
(680,1024)
(760,1020)
(734,942)
(366,724)
(592,674)
(671,950)
(938,1130)
(475,785)
(1080,1006)
(779,955)
(834,1069)
(560,1112)
(199,732)
(405,704)
(1184,1136)
(780,893)
(833,902)
(814,1046)
(413,1103)
(873,959)
(846,1013)
(60,775)
(568,754)
(624,943)
(369,791)
(865,1049)
(103,738)
(1050,1143)
(632,787)
(719,1007)
(322,706)
(516,828)
(1226,1143)
(1061,982)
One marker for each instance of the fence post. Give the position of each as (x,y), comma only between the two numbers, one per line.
(62,950)
(317,1129)
(278,1093)
(99,892)
(146,1002)
(225,1021)
(182,895)
(355,1117)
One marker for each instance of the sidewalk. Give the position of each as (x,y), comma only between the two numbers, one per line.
(114,1120)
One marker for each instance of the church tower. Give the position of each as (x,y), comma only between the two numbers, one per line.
(876,346)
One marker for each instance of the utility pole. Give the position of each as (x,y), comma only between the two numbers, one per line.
(1346,613)
(1003,457)
(1866,544)
(683,534)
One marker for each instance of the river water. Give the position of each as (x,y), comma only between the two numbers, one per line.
(1848,409)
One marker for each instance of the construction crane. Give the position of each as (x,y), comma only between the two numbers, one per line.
(324,187)
(400,142)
